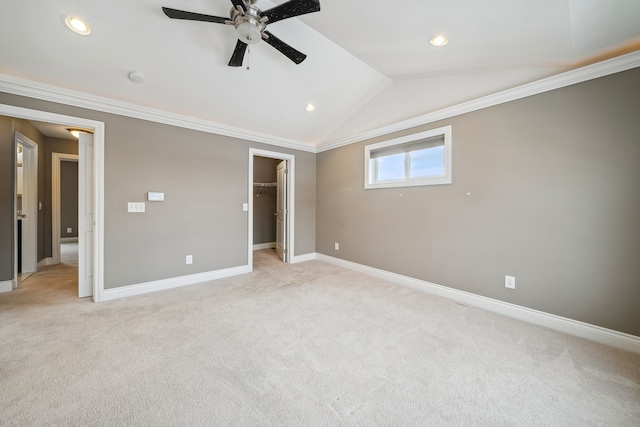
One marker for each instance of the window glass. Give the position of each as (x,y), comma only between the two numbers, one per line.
(427,162)
(390,168)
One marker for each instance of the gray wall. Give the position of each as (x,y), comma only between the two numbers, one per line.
(264,200)
(68,199)
(555,201)
(204,178)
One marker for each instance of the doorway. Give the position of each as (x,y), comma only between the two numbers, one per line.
(91,160)
(59,206)
(25,204)
(284,208)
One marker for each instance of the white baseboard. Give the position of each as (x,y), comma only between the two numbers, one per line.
(68,240)
(270,245)
(573,327)
(174,282)
(6,286)
(45,262)
(303,258)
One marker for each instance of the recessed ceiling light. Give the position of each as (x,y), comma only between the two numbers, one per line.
(309,107)
(439,41)
(77,25)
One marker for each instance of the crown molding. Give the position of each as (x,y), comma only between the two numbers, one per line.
(579,75)
(32,89)
(45,92)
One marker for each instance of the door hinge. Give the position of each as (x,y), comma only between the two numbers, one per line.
(286,171)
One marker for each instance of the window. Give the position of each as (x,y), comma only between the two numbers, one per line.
(420,159)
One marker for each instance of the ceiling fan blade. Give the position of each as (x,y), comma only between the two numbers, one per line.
(191,16)
(285,49)
(238,54)
(290,9)
(237,3)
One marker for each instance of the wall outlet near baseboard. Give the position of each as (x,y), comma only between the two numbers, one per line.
(189,259)
(337,246)
(69,230)
(509,282)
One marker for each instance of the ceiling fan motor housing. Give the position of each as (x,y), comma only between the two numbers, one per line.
(249,25)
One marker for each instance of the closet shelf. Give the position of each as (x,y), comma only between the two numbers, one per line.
(261,185)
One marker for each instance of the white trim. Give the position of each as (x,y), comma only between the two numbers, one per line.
(56,158)
(304,258)
(45,262)
(6,286)
(573,327)
(33,89)
(291,202)
(590,72)
(98,177)
(270,245)
(174,282)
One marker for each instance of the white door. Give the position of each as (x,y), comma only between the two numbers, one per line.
(281,211)
(27,193)
(85,215)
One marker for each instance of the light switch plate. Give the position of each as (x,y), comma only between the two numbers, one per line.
(135,207)
(245,207)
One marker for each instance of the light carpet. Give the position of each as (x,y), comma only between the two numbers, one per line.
(292,345)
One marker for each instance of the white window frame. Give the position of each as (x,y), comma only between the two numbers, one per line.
(445,132)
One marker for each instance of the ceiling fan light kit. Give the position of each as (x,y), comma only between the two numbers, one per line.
(251,24)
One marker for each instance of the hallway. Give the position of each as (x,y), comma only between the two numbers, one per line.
(52,282)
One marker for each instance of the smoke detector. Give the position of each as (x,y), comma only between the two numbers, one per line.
(136,76)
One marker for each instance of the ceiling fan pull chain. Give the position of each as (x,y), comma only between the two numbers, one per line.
(248,58)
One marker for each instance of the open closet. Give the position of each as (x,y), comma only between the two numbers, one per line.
(265,191)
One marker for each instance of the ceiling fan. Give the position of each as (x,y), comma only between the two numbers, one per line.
(251,23)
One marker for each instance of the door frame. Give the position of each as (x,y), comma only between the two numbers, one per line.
(290,229)
(56,232)
(29,206)
(98,129)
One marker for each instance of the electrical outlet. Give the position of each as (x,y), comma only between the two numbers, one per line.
(189,259)
(337,246)
(69,230)
(509,282)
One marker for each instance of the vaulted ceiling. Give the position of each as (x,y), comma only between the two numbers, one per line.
(369,64)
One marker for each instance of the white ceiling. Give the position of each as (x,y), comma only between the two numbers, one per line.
(369,64)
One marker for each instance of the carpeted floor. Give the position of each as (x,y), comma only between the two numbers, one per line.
(304,344)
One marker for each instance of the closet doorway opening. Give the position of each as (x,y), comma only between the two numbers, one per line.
(271,207)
